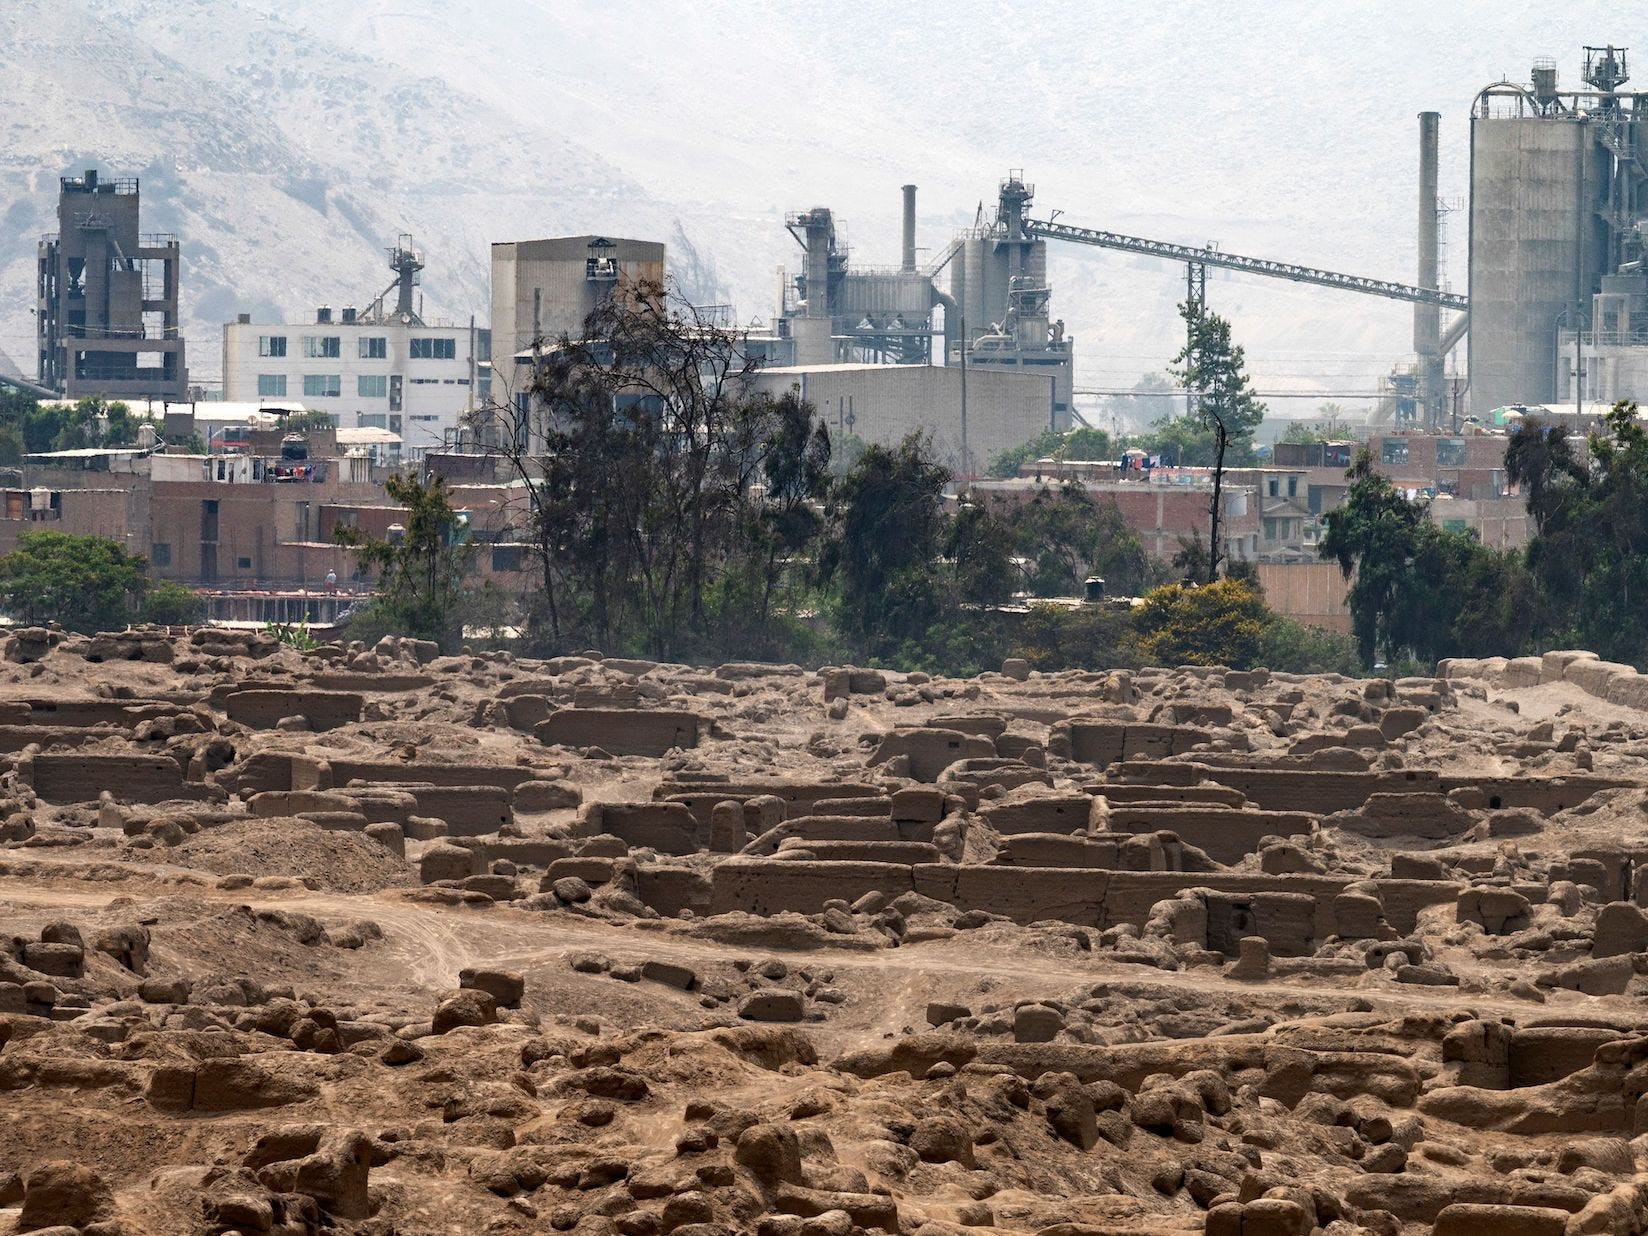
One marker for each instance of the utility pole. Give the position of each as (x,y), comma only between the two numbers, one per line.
(966,471)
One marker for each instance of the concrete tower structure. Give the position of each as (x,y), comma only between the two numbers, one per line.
(108,298)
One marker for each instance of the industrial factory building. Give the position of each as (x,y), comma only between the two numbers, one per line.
(382,367)
(883,403)
(107,297)
(1559,195)
(859,342)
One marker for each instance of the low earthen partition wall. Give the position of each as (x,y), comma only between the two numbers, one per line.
(1226,836)
(310,772)
(1102,743)
(799,797)
(621,731)
(1085,896)
(78,778)
(262,708)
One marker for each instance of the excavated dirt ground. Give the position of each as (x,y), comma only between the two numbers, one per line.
(226,1013)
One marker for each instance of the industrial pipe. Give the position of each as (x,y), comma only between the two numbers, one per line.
(909,229)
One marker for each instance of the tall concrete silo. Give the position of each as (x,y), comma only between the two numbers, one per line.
(1538,244)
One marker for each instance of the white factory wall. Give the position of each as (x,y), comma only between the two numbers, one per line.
(883,403)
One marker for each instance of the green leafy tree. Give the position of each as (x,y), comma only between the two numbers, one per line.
(1372,536)
(1294,647)
(1083,444)
(1420,590)
(884,554)
(1063,534)
(1221,623)
(1088,637)
(1611,526)
(638,447)
(420,576)
(171,604)
(86,583)
(1213,370)
(980,549)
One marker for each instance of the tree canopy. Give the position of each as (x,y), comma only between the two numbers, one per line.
(1221,623)
(1422,591)
(86,583)
(420,589)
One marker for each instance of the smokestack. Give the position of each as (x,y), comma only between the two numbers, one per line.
(909,228)
(1427,319)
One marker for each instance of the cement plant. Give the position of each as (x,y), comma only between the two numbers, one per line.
(613,760)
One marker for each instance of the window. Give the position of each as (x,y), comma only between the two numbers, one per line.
(243,564)
(434,349)
(1450,452)
(1395,451)
(373,347)
(1293,487)
(424,420)
(483,345)
(1273,487)
(322,385)
(372,386)
(271,345)
(506,557)
(394,392)
(324,347)
(160,555)
(272,384)
(371,420)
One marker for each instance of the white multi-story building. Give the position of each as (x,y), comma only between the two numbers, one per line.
(416,381)
(367,369)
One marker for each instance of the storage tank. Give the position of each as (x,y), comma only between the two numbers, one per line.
(1537,246)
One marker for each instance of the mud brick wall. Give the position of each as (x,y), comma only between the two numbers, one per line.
(468,810)
(858,828)
(16,737)
(1115,794)
(620,731)
(1086,896)
(1102,743)
(930,750)
(314,773)
(77,778)
(666,827)
(833,851)
(262,708)
(1065,813)
(1226,836)
(799,797)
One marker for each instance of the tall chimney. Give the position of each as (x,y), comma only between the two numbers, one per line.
(909,228)
(1427,319)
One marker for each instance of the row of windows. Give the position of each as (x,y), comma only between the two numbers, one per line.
(371,347)
(367,385)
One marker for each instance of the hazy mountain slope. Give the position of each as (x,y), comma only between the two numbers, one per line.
(301,135)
